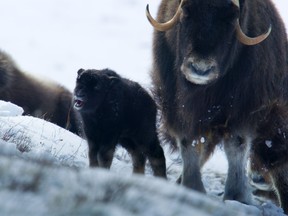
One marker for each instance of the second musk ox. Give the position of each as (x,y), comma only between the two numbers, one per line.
(38,97)
(220,74)
(116,110)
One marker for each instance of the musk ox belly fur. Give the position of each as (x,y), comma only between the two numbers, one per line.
(115,111)
(215,84)
(38,98)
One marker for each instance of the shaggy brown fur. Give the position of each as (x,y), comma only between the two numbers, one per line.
(261,182)
(38,98)
(238,106)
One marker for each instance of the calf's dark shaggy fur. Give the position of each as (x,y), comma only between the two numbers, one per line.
(116,110)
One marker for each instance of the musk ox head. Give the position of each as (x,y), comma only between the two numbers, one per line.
(91,88)
(206,32)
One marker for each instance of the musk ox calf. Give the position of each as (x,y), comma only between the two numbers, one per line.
(37,97)
(220,75)
(116,110)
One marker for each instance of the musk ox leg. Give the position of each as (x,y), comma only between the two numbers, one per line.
(138,158)
(261,182)
(100,156)
(92,154)
(105,157)
(237,185)
(139,151)
(156,158)
(191,175)
(273,155)
(259,177)
(206,152)
(280,180)
(270,148)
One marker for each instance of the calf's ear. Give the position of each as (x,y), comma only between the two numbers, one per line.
(80,71)
(113,80)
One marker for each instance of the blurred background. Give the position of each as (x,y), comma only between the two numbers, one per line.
(54,38)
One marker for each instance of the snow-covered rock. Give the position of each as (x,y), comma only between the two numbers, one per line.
(29,188)
(10,109)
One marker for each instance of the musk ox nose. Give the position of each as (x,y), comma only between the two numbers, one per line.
(200,71)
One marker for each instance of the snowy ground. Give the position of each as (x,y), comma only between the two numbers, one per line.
(44,171)
(54,38)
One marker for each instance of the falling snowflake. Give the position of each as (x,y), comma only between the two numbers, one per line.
(268,143)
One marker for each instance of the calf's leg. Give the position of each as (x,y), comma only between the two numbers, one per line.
(100,155)
(156,157)
(92,154)
(138,158)
(105,157)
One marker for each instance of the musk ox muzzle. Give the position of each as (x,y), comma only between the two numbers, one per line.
(200,71)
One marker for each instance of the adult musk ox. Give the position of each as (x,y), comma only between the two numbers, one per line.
(37,97)
(220,74)
(116,110)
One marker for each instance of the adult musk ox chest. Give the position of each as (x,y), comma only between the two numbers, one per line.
(202,58)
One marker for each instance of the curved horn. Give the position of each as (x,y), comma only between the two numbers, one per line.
(167,25)
(243,38)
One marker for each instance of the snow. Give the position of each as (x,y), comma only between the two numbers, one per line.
(47,190)
(268,143)
(41,186)
(194,143)
(9,109)
(44,168)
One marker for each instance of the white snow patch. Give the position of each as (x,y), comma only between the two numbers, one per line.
(10,109)
(268,143)
(194,143)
